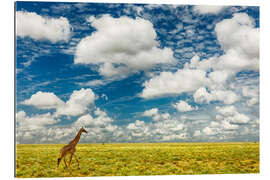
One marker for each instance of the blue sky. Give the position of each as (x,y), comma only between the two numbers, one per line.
(136,72)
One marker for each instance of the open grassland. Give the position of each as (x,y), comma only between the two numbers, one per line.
(139,159)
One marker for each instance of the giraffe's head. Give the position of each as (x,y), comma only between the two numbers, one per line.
(83,130)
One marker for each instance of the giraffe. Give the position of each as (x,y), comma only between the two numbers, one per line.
(70,148)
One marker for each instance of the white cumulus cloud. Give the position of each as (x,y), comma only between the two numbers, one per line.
(88,120)
(240,40)
(121,45)
(38,121)
(183,106)
(209,131)
(168,83)
(30,24)
(151,112)
(251,94)
(44,100)
(229,114)
(211,9)
(78,103)
(202,95)
(156,116)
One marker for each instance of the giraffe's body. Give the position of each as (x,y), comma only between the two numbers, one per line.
(70,149)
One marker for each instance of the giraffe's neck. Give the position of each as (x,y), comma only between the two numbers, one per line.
(77,138)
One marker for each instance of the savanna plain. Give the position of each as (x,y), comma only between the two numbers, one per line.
(131,159)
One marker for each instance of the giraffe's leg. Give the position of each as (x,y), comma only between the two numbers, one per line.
(70,159)
(65,161)
(77,160)
(58,162)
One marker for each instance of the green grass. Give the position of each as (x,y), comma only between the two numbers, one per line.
(139,159)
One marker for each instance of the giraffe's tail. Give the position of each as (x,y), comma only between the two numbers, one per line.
(58,161)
